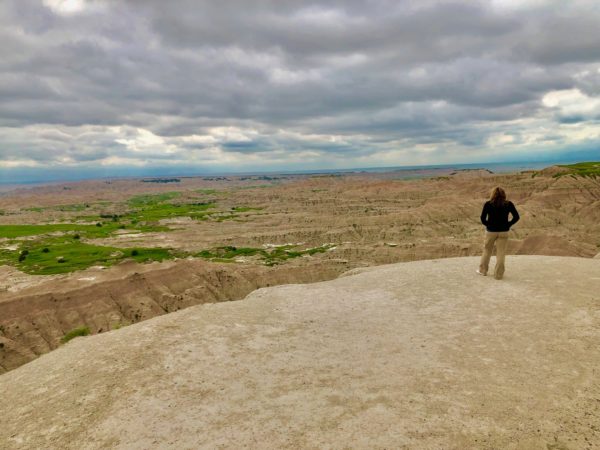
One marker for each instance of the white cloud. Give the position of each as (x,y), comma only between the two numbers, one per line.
(65,7)
(572,103)
(142,141)
(286,76)
(515,5)
(14,163)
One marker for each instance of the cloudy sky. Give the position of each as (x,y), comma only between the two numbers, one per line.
(120,87)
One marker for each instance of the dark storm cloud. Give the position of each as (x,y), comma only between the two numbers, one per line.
(337,77)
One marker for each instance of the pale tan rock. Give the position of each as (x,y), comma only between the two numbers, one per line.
(414,355)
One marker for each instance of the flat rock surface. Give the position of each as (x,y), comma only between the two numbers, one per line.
(424,355)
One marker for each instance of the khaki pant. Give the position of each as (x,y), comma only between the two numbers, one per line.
(491,238)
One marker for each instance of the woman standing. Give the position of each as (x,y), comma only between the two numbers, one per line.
(495,218)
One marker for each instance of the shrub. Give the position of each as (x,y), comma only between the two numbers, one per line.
(76,236)
(45,250)
(81,331)
(98,224)
(134,252)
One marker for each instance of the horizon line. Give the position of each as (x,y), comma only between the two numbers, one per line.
(234,173)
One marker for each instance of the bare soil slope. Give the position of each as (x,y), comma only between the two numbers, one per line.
(33,324)
(422,355)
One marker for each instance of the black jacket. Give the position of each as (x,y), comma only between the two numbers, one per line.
(495,218)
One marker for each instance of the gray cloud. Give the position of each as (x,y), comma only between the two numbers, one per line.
(140,82)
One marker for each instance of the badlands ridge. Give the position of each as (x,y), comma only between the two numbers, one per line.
(423,354)
(225,237)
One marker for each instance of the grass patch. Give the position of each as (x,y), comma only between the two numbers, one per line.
(583,169)
(315,250)
(245,208)
(75,207)
(143,255)
(156,207)
(269,257)
(90,231)
(54,255)
(89,218)
(149,209)
(81,331)
(152,199)
(156,212)
(219,216)
(119,325)
(14,231)
(230,252)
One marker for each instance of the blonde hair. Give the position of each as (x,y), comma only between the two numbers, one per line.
(498,196)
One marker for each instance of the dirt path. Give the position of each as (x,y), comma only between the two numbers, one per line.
(415,355)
